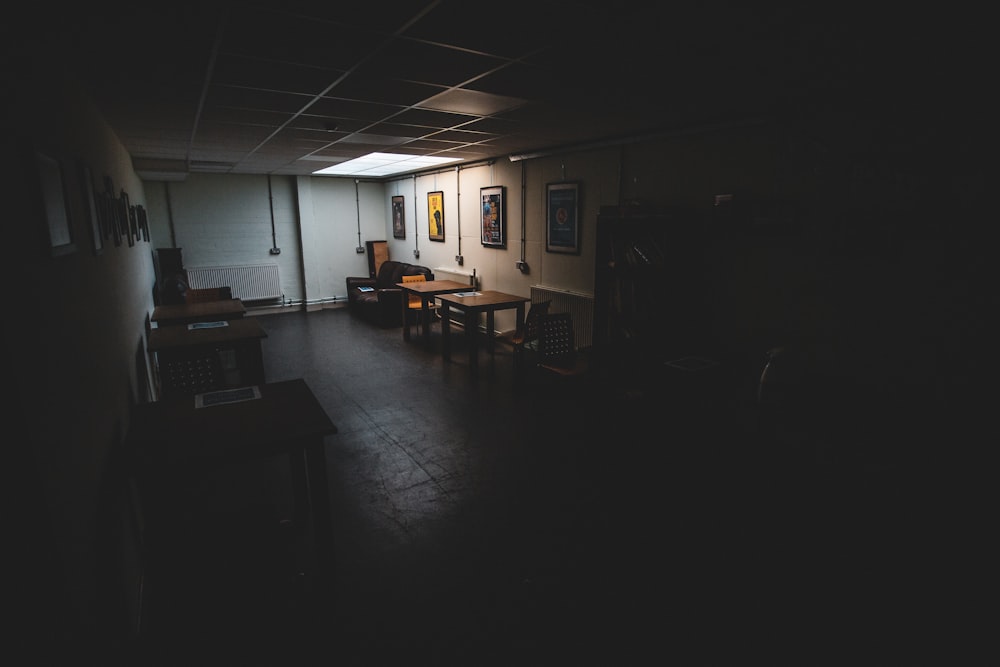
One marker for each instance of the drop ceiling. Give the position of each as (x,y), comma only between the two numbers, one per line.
(293,87)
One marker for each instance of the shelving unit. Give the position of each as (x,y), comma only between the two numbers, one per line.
(650,292)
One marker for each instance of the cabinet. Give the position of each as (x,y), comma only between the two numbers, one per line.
(650,295)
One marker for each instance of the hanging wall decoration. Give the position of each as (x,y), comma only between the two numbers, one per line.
(562,218)
(53,194)
(435,215)
(494,213)
(398,218)
(90,208)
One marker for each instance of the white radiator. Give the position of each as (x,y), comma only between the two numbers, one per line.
(580,306)
(458,275)
(249,282)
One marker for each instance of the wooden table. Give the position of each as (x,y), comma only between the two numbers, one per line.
(170,440)
(192,361)
(206,311)
(426,290)
(485,302)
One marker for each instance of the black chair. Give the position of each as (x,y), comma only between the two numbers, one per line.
(557,353)
(526,335)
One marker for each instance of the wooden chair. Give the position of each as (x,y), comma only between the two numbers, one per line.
(415,305)
(201,295)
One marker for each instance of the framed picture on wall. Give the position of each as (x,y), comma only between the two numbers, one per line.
(398,218)
(494,211)
(90,207)
(435,215)
(562,218)
(53,193)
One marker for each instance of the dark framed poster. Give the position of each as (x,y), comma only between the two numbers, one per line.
(435,215)
(53,192)
(90,208)
(562,218)
(494,212)
(398,218)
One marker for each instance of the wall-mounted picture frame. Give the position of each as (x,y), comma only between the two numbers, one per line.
(90,206)
(494,216)
(398,217)
(562,218)
(435,215)
(53,193)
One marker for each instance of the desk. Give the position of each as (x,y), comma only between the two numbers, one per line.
(192,361)
(487,302)
(170,439)
(206,311)
(426,290)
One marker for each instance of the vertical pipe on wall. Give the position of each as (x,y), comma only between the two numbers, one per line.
(170,218)
(274,236)
(357,203)
(416,228)
(523,266)
(458,216)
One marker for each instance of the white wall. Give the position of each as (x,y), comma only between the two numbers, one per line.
(321,221)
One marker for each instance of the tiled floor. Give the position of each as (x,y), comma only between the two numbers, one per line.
(481,521)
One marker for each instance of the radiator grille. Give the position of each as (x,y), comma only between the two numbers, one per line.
(580,306)
(249,282)
(444,273)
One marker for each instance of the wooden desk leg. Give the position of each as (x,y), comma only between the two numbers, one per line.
(425,318)
(319,500)
(300,490)
(471,319)
(490,323)
(445,330)
(405,301)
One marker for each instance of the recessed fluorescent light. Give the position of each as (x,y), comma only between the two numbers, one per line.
(383,164)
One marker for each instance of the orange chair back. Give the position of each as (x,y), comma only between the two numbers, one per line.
(415,300)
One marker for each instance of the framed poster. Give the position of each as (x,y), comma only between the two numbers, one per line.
(562,218)
(435,215)
(90,204)
(398,218)
(53,193)
(494,212)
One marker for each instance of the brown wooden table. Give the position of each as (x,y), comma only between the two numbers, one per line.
(170,440)
(205,311)
(426,290)
(227,354)
(484,302)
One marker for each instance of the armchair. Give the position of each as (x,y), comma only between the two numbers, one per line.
(379,300)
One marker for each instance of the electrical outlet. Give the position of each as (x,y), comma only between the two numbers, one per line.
(521,266)
(275,251)
(360,250)
(459,259)
(416,254)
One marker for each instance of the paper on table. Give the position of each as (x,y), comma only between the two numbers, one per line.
(468,293)
(208,325)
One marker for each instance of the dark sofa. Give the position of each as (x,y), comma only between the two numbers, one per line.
(384,304)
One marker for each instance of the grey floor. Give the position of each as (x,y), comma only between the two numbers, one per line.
(484,521)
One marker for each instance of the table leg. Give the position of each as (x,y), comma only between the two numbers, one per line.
(405,301)
(425,318)
(445,330)
(471,318)
(490,324)
(319,500)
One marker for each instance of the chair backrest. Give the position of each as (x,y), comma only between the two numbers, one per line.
(556,343)
(415,301)
(529,330)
